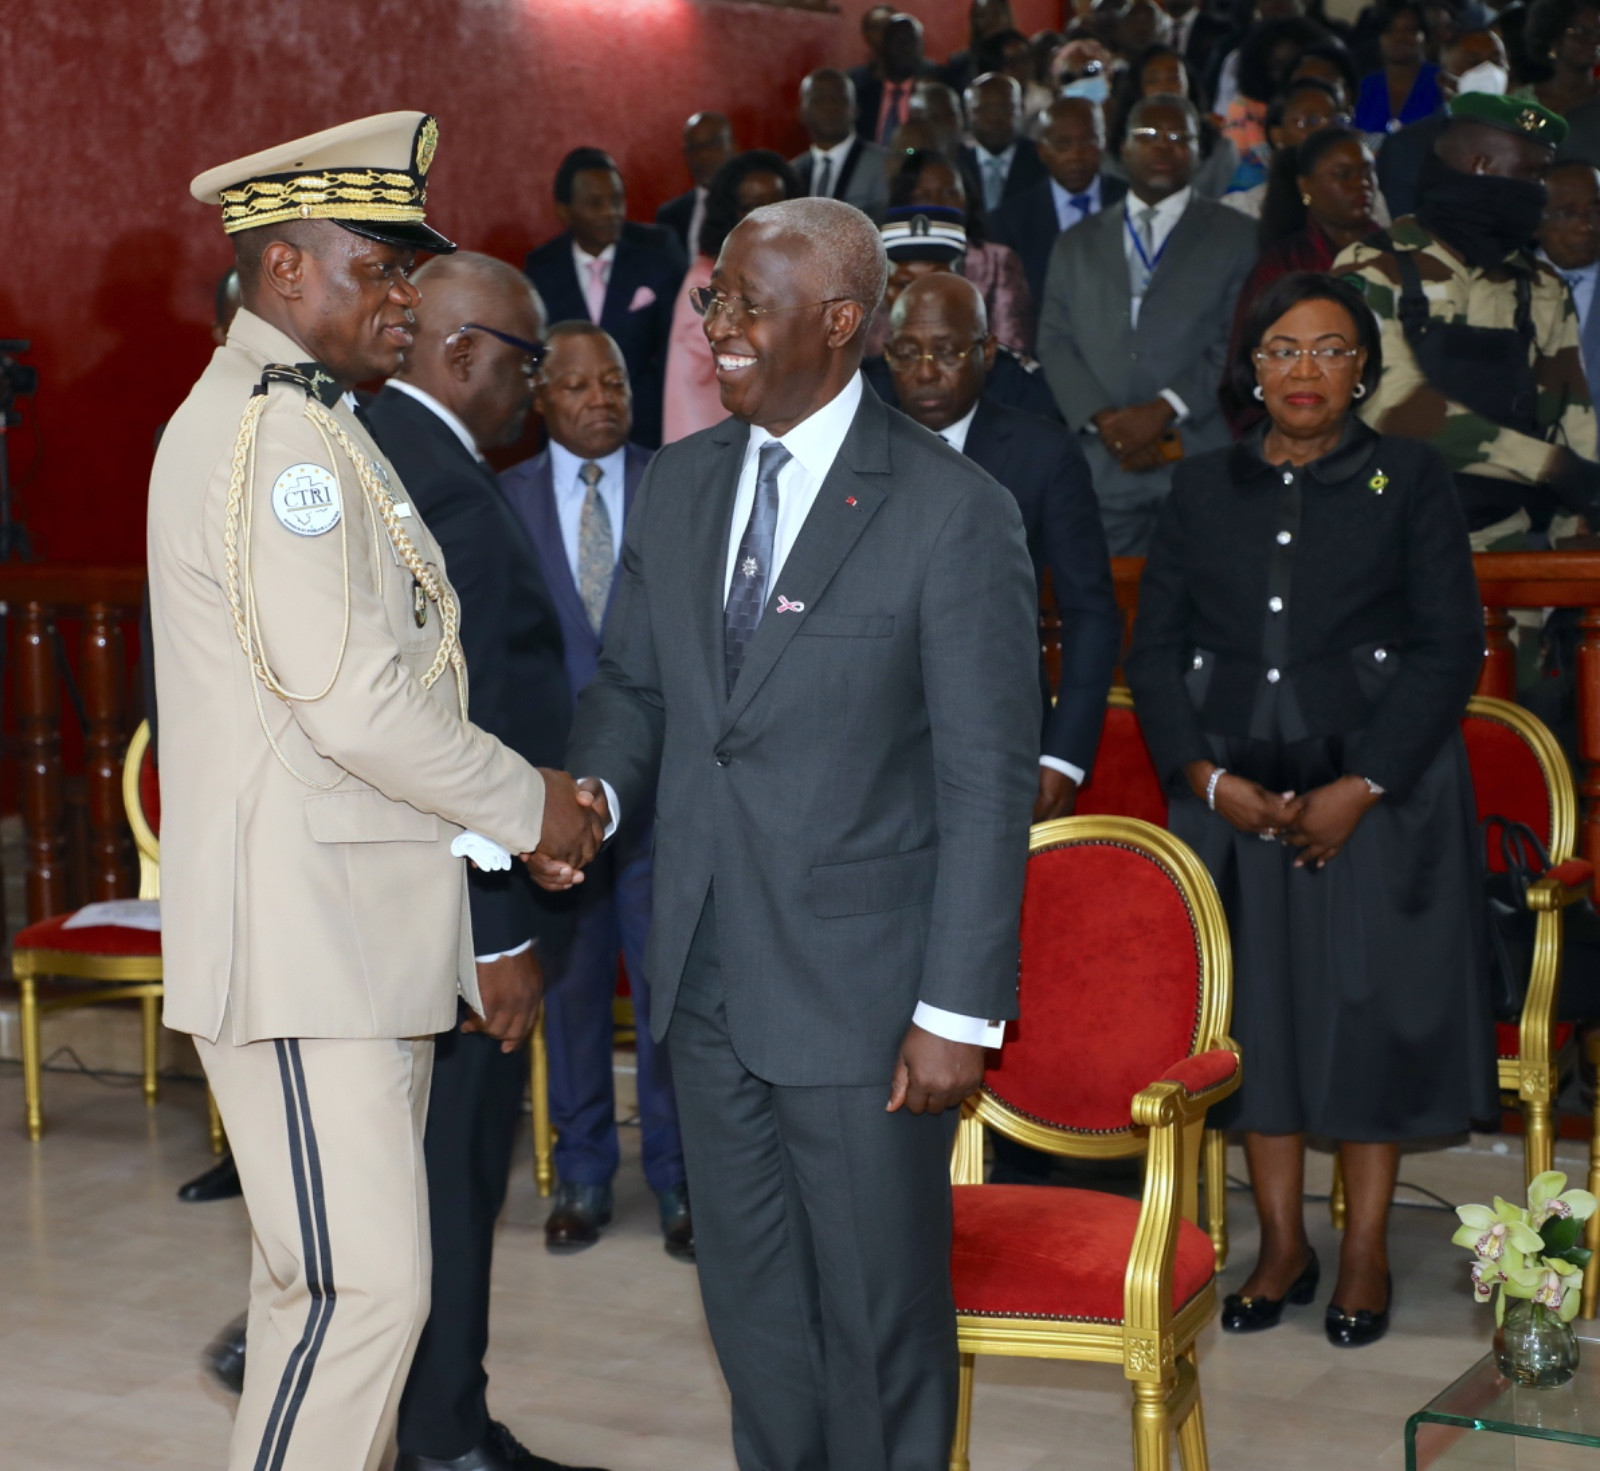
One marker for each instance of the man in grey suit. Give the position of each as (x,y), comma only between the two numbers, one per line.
(1133,334)
(839,164)
(824,640)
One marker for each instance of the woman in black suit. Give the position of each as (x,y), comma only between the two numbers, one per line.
(1309,633)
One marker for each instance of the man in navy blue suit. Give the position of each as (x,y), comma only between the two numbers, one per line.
(622,277)
(575,499)
(939,352)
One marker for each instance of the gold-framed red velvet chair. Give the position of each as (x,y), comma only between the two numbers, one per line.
(118,962)
(1124,783)
(1126,986)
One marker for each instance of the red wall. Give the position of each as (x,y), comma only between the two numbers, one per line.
(107,110)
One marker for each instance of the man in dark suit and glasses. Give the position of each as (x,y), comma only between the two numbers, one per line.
(825,642)
(575,498)
(620,276)
(940,351)
(466,387)
(707,145)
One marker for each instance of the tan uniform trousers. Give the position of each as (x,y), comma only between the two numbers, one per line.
(327,1135)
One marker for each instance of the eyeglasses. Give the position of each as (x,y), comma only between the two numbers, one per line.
(1584,33)
(1283,358)
(533,350)
(1160,135)
(1316,122)
(739,310)
(907,356)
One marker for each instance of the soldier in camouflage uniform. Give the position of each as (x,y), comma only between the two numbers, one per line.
(1480,338)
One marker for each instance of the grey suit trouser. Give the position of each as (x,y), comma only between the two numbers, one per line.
(822,1233)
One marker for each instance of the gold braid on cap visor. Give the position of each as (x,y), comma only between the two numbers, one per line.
(333,194)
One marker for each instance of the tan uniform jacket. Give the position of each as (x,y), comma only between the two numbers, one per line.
(305,912)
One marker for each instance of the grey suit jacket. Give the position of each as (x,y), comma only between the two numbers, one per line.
(862,181)
(1095,358)
(861,803)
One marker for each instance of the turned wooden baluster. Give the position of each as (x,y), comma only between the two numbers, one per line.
(39,750)
(1589,736)
(104,694)
(1498,676)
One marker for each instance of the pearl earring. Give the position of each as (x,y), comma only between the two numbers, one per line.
(1258,394)
(1305,199)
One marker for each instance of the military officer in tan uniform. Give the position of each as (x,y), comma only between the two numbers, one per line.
(317,771)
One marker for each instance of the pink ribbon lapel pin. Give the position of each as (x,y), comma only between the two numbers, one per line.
(785,606)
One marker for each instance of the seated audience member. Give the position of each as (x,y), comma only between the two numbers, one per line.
(1071,148)
(839,164)
(927,178)
(692,400)
(1195,35)
(707,145)
(1329,63)
(1321,199)
(999,163)
(985,18)
(1508,409)
(1325,785)
(1406,88)
(1305,108)
(940,352)
(939,107)
(922,240)
(1007,54)
(1134,332)
(883,101)
(1474,62)
(873,24)
(1266,58)
(1563,37)
(1569,240)
(1160,72)
(594,271)
(575,498)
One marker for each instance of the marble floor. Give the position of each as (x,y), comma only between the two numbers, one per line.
(109,1287)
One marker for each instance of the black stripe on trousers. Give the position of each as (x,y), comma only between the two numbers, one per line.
(306,1165)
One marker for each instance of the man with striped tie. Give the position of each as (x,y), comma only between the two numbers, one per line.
(574,499)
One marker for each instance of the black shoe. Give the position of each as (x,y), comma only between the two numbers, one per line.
(677,1225)
(1357,1330)
(576,1217)
(1253,1314)
(499,1450)
(224,1356)
(220,1182)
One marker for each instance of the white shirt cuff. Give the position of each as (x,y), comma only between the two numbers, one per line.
(954,1027)
(504,954)
(611,806)
(1066,768)
(1179,407)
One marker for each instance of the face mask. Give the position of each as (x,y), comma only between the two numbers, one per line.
(1483,216)
(1486,76)
(1095,88)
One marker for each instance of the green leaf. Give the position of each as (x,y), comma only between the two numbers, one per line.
(1560,1233)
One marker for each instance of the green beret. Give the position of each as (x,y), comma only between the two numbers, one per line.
(1527,119)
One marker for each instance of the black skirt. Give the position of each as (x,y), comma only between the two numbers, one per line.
(1361,996)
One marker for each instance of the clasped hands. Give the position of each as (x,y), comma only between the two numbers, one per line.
(1319,822)
(576,816)
(1133,434)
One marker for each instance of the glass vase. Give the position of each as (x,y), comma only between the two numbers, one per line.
(1534,1347)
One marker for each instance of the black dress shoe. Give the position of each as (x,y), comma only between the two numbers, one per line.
(500,1450)
(677,1225)
(224,1356)
(220,1182)
(1358,1329)
(576,1217)
(1253,1314)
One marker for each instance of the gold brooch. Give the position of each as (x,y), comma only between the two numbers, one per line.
(1377,483)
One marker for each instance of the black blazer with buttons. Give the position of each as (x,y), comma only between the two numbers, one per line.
(1380,634)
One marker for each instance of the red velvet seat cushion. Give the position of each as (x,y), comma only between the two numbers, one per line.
(1124,781)
(1508,1038)
(1043,1251)
(95,939)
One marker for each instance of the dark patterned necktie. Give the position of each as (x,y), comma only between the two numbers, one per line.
(597,551)
(752,568)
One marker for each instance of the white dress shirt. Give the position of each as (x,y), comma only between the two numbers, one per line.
(464,434)
(570,492)
(955,435)
(813,445)
(1066,211)
(1168,212)
(581,260)
(1001,164)
(836,157)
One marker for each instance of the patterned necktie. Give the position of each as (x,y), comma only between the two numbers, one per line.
(753,566)
(1139,272)
(822,179)
(594,293)
(597,552)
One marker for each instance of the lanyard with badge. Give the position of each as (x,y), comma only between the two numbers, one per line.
(1148,261)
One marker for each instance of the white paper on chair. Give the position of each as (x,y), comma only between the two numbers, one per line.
(131,914)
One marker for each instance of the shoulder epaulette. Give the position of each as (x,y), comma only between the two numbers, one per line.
(311,378)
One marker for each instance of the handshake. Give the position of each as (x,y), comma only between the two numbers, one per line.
(576,816)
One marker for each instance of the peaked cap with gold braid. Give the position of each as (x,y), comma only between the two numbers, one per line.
(371,176)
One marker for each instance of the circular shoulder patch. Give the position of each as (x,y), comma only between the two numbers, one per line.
(305,498)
